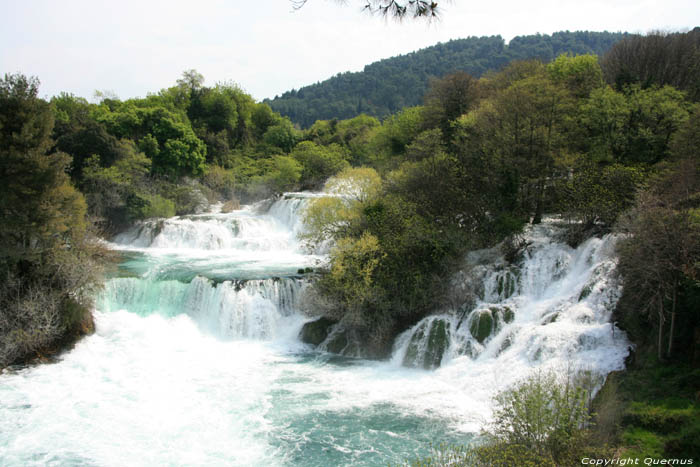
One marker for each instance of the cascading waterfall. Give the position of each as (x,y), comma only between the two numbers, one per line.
(552,308)
(196,358)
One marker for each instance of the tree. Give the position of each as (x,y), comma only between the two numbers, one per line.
(522,127)
(662,251)
(318,162)
(657,59)
(47,259)
(395,9)
(191,80)
(447,99)
(580,74)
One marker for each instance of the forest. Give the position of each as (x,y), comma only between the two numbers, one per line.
(385,87)
(608,143)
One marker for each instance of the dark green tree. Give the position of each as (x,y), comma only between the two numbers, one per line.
(47,268)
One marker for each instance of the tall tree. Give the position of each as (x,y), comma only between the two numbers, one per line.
(46,262)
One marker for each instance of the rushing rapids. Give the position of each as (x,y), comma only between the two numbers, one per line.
(197,359)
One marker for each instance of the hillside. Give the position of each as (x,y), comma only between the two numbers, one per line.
(388,85)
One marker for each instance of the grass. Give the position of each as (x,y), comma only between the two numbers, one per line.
(659,413)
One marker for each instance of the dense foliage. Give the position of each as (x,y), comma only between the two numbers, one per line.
(657,59)
(385,87)
(47,256)
(408,195)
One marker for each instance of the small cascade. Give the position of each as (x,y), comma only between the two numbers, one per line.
(234,309)
(235,274)
(553,307)
(289,210)
(424,345)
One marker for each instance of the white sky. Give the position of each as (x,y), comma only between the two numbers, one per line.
(133,47)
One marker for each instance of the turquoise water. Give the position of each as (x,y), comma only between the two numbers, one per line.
(196,361)
(196,358)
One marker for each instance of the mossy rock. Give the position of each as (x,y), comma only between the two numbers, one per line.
(315,332)
(507,342)
(550,319)
(481,325)
(508,314)
(438,340)
(506,285)
(410,359)
(467,349)
(337,343)
(585,292)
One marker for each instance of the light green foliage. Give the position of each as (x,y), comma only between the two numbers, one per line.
(222,181)
(180,156)
(397,132)
(150,206)
(599,194)
(355,134)
(165,136)
(632,127)
(262,118)
(329,217)
(353,263)
(604,116)
(318,162)
(655,114)
(545,413)
(285,174)
(355,183)
(580,74)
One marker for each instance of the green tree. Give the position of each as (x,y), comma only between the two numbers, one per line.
(523,127)
(47,267)
(318,162)
(282,135)
(580,74)
(447,99)
(659,258)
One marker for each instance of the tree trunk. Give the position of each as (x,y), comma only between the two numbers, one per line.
(661,329)
(539,206)
(673,322)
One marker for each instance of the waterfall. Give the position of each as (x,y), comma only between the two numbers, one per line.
(551,308)
(235,309)
(236,275)
(196,358)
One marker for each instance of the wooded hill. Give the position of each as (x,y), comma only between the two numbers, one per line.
(387,86)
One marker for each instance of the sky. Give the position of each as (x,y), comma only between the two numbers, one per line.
(130,48)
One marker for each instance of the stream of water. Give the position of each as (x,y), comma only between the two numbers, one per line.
(196,358)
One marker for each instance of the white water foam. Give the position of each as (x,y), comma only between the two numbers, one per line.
(202,372)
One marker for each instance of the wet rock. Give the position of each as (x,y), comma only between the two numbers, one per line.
(481,325)
(428,345)
(315,332)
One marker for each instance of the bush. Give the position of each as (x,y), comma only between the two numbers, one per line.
(220,180)
(144,206)
(545,413)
